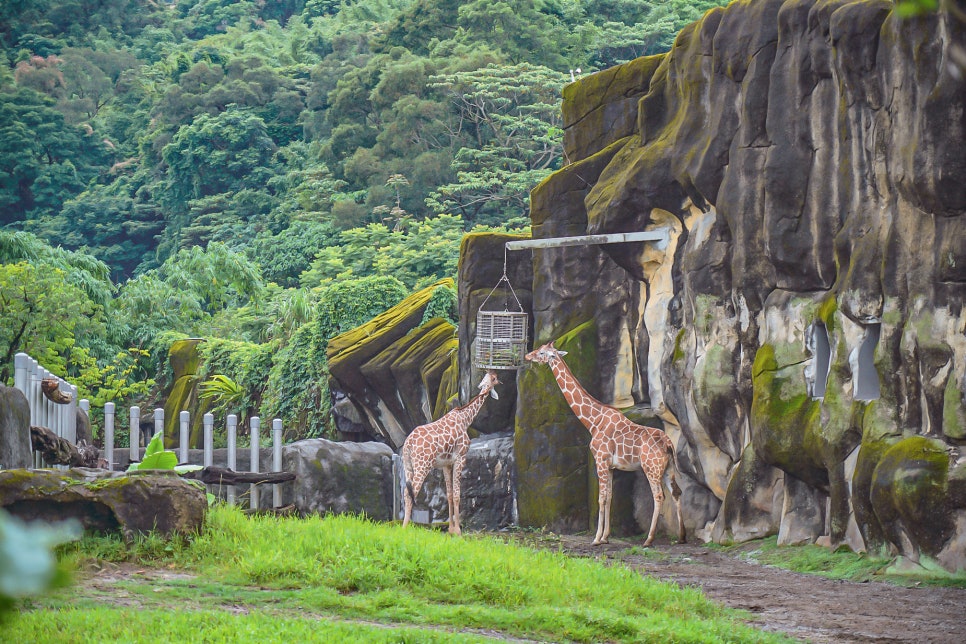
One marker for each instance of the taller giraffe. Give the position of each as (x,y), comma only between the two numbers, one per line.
(443,444)
(615,443)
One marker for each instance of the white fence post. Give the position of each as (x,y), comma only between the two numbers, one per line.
(109,434)
(185,419)
(34,394)
(21,371)
(232,430)
(209,424)
(135,438)
(253,489)
(159,424)
(36,400)
(46,417)
(277,461)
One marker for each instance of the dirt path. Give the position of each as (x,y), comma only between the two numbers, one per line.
(806,607)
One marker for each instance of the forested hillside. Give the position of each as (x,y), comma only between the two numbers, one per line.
(231,169)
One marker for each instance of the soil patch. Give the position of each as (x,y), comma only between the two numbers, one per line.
(806,607)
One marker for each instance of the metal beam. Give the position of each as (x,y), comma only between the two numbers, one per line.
(662,236)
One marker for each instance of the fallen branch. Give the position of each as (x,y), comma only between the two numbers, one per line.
(214,475)
(60,451)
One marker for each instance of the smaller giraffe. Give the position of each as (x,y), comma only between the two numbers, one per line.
(616,443)
(443,444)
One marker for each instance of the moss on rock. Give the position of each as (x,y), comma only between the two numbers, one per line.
(909,493)
(954,411)
(551,444)
(785,421)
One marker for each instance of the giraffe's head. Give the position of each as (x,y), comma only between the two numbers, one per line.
(545,354)
(488,383)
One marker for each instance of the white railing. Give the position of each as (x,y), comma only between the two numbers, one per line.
(208,451)
(60,419)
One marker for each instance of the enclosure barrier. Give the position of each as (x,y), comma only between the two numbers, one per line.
(59,418)
(208,425)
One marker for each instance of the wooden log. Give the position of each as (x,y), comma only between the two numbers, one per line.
(60,451)
(214,475)
(51,389)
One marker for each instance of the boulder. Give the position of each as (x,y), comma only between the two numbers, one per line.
(14,429)
(153,501)
(338,478)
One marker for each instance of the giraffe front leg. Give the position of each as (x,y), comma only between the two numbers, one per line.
(603,506)
(610,502)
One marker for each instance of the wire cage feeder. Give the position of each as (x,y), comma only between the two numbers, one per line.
(501,336)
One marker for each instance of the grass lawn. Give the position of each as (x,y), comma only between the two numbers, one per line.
(344,579)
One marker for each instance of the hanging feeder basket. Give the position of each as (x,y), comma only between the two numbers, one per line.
(501,336)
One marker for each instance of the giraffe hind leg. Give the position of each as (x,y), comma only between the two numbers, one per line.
(454,520)
(455,526)
(657,490)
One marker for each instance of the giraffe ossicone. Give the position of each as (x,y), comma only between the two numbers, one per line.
(616,443)
(443,444)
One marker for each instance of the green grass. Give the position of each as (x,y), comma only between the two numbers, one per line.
(845,564)
(245,577)
(104,624)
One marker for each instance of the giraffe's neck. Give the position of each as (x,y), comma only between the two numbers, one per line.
(586,407)
(468,412)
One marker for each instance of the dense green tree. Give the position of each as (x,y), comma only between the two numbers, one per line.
(297,389)
(205,17)
(106,220)
(213,156)
(92,79)
(286,255)
(41,313)
(517,28)
(43,159)
(421,26)
(512,115)
(186,292)
(415,253)
(81,270)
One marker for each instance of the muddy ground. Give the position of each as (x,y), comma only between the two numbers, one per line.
(807,607)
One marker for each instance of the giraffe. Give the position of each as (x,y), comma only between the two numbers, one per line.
(443,444)
(616,443)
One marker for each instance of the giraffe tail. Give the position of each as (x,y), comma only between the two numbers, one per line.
(407,468)
(409,491)
(675,489)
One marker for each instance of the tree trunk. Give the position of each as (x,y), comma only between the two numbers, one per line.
(214,475)
(51,389)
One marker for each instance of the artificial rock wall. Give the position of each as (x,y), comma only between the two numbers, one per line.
(802,337)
